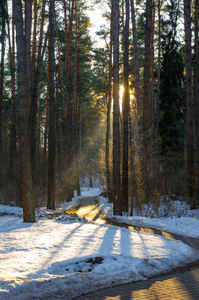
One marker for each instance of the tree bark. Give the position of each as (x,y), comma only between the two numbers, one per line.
(76,105)
(28,24)
(196,99)
(60,71)
(117,207)
(159,66)
(138,152)
(13,108)
(47,109)
(3,35)
(189,103)
(24,134)
(136,69)
(146,99)
(69,120)
(51,135)
(108,125)
(34,95)
(125,112)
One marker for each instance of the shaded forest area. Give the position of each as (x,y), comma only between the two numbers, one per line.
(125,115)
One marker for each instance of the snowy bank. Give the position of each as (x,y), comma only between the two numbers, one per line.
(173,217)
(64,253)
(79,257)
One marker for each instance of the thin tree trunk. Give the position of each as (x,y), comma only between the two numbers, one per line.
(34,44)
(108,176)
(3,113)
(146,98)
(75,89)
(38,132)
(76,106)
(2,75)
(57,126)
(117,208)
(24,134)
(136,67)
(13,109)
(28,24)
(70,137)
(147,67)
(51,135)
(125,112)
(60,71)
(189,103)
(159,66)
(196,99)
(152,96)
(34,95)
(138,151)
(47,109)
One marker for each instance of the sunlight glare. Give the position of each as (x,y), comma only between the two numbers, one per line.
(121,95)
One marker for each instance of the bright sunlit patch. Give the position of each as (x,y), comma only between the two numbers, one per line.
(121,95)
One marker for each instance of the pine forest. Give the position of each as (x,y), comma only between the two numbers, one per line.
(119,109)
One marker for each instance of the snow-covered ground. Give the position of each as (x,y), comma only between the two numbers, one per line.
(172,216)
(63,252)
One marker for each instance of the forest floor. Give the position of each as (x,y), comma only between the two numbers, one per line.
(65,253)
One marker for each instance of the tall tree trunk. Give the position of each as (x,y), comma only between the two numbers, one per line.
(147,69)
(138,159)
(159,66)
(24,134)
(152,96)
(108,126)
(117,208)
(28,24)
(189,103)
(47,110)
(136,67)
(34,94)
(3,34)
(66,42)
(13,108)
(76,105)
(34,43)
(125,112)
(68,63)
(57,126)
(196,99)
(76,82)
(60,70)
(146,98)
(51,135)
